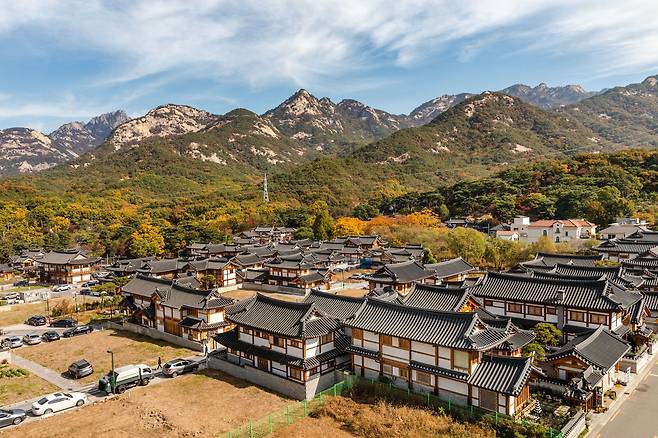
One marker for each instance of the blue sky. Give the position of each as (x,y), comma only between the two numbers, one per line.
(66,60)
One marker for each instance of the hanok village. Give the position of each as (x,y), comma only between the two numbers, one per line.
(356,307)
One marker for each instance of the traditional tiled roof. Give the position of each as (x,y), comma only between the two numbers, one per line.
(439,298)
(600,348)
(68,257)
(545,259)
(601,294)
(404,272)
(295,320)
(645,235)
(144,286)
(339,306)
(200,324)
(651,301)
(128,266)
(626,246)
(450,329)
(572,223)
(450,267)
(503,374)
(163,266)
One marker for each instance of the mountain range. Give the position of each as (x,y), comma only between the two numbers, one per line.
(28,150)
(310,126)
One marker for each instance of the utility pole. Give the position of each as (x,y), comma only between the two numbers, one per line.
(266,195)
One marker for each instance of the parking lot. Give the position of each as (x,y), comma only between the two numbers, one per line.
(206,403)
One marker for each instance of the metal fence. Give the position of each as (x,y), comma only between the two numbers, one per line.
(267,425)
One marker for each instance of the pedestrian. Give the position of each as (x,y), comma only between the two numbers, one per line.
(159,362)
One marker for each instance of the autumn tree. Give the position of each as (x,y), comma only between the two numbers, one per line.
(349,226)
(147,240)
(467,243)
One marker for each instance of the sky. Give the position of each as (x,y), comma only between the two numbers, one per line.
(65,60)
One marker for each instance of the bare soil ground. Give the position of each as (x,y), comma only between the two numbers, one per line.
(205,405)
(128,348)
(353,292)
(20,387)
(344,417)
(241,294)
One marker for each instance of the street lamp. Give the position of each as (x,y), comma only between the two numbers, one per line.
(113,378)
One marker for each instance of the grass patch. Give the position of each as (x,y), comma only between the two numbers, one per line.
(18,384)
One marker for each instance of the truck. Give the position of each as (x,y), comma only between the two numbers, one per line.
(122,378)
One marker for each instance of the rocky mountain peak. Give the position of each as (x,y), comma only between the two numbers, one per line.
(429,110)
(163,121)
(103,125)
(651,81)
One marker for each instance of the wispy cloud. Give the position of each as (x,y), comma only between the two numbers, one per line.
(256,43)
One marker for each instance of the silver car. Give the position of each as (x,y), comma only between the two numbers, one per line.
(10,417)
(179,366)
(32,339)
(12,342)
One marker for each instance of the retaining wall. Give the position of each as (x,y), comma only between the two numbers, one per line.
(155,334)
(278,384)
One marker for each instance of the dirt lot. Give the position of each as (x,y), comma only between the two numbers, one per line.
(241,294)
(15,388)
(128,348)
(343,417)
(353,292)
(203,405)
(20,312)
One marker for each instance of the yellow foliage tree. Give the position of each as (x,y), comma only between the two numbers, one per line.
(349,226)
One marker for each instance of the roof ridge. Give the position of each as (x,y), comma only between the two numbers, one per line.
(517,277)
(283,303)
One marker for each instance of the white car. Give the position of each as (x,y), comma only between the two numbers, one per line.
(12,342)
(58,402)
(62,288)
(32,339)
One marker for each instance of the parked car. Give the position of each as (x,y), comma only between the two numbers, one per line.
(179,366)
(80,369)
(100,274)
(125,377)
(58,402)
(36,320)
(12,342)
(12,297)
(85,291)
(90,283)
(50,336)
(64,322)
(79,330)
(10,417)
(32,339)
(62,287)
(22,283)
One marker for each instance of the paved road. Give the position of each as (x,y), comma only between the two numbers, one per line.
(46,373)
(638,416)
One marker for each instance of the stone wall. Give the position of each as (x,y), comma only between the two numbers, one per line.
(155,334)
(277,384)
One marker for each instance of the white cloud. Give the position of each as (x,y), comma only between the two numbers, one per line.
(307,42)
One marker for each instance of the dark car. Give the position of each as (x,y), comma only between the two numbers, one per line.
(80,369)
(179,366)
(22,283)
(79,330)
(50,336)
(37,320)
(85,291)
(66,322)
(10,417)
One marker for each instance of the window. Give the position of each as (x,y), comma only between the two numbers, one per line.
(566,233)
(313,371)
(325,339)
(598,319)
(245,330)
(488,303)
(404,373)
(535,310)
(424,378)
(405,344)
(248,356)
(488,399)
(545,233)
(551,311)
(387,369)
(279,342)
(386,340)
(577,316)
(357,333)
(295,373)
(295,343)
(515,308)
(460,360)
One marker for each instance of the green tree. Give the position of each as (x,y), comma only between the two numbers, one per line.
(467,243)
(547,334)
(536,348)
(323,224)
(428,257)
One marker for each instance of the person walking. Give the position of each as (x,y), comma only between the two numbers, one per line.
(159,362)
